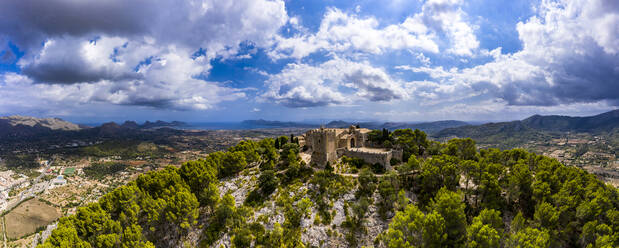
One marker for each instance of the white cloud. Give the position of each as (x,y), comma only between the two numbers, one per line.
(340,32)
(337,81)
(134,52)
(216,26)
(563,60)
(447,18)
(114,70)
(489,110)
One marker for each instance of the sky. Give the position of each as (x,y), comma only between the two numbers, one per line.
(400,60)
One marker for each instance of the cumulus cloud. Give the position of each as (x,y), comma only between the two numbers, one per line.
(569,55)
(147,53)
(447,18)
(76,60)
(342,32)
(21,92)
(337,81)
(213,25)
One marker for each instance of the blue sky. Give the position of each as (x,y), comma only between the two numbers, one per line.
(401,60)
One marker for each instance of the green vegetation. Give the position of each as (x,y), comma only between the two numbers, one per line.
(69,171)
(554,205)
(126,149)
(101,170)
(463,198)
(12,160)
(357,164)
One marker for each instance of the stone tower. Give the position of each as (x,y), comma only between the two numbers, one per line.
(324,144)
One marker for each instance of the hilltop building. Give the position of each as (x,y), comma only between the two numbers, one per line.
(329,144)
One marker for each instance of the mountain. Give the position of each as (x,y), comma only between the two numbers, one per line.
(428,127)
(18,126)
(274,124)
(602,122)
(340,124)
(160,124)
(231,199)
(535,125)
(50,123)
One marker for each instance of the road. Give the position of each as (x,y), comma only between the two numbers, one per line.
(32,190)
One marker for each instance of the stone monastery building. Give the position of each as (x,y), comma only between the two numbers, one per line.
(329,144)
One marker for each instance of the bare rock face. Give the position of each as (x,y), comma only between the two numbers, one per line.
(51,123)
(313,235)
(238,187)
(339,208)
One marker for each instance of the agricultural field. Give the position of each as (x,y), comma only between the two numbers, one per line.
(28,217)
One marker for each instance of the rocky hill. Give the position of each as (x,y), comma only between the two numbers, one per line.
(50,123)
(19,126)
(535,125)
(257,195)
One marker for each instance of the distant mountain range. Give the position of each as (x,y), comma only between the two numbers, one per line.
(16,127)
(429,127)
(156,124)
(534,125)
(274,124)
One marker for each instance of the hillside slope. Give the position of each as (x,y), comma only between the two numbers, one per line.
(534,126)
(28,126)
(254,195)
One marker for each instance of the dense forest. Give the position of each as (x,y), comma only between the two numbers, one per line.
(442,195)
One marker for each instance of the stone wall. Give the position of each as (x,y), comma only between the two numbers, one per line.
(383,158)
(398,154)
(329,144)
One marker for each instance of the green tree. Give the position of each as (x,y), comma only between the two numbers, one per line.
(449,205)
(489,191)
(249,149)
(435,231)
(486,230)
(437,172)
(65,236)
(209,195)
(267,182)
(132,237)
(411,142)
(201,176)
(529,238)
(388,195)
(232,163)
(405,229)
(367,183)
(182,207)
(280,142)
(462,148)
(268,153)
(519,192)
